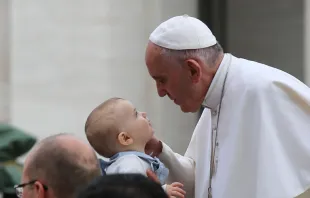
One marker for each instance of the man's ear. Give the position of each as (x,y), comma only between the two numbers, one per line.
(39,189)
(124,139)
(194,70)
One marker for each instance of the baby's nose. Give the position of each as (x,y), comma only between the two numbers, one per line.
(144,114)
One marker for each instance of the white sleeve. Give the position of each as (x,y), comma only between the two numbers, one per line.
(181,168)
(164,187)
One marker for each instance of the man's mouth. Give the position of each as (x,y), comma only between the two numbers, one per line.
(171,98)
(175,101)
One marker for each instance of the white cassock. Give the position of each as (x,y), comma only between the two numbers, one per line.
(263,144)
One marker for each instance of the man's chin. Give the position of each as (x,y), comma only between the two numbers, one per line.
(186,109)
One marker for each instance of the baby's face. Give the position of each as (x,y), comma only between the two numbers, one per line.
(137,124)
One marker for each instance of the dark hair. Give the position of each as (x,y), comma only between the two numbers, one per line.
(123,186)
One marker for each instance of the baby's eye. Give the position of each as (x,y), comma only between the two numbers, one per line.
(136,113)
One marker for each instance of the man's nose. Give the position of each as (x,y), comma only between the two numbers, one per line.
(161,92)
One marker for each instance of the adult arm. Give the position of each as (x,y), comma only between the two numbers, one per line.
(181,168)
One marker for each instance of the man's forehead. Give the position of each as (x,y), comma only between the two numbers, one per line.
(153,54)
(159,69)
(152,50)
(157,66)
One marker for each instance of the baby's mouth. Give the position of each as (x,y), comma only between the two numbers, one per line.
(149,121)
(150,124)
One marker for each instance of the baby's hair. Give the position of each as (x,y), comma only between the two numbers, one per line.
(102,128)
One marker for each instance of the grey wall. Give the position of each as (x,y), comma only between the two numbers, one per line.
(69,56)
(267,31)
(307,41)
(4,60)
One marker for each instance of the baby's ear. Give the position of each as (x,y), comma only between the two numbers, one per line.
(124,139)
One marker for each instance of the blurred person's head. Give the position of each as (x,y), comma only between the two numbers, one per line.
(115,126)
(182,56)
(123,186)
(57,167)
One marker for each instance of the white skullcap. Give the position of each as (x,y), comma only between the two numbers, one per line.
(182,33)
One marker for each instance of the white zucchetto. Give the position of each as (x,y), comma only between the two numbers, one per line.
(183,33)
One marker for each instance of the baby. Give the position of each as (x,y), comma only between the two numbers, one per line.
(116,130)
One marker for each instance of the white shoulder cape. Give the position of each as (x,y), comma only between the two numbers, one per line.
(264,136)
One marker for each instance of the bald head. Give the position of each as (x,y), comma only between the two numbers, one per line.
(63,163)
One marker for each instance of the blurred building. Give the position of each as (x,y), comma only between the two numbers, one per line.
(63,58)
(59,59)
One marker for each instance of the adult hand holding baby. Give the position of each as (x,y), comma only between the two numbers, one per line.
(150,174)
(173,190)
(154,147)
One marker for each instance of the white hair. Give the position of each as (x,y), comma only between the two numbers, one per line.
(209,55)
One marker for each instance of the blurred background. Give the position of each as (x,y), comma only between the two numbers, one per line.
(59,59)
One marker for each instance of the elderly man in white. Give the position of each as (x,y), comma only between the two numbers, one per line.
(253,138)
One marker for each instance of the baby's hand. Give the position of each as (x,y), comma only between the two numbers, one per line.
(175,190)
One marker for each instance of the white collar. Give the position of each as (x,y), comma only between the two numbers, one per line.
(213,97)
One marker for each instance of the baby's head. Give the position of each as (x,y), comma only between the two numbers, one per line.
(115,126)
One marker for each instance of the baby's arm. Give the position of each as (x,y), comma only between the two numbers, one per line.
(175,190)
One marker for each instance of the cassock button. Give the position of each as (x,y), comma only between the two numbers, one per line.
(214,112)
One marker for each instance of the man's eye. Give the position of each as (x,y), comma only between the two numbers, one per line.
(162,81)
